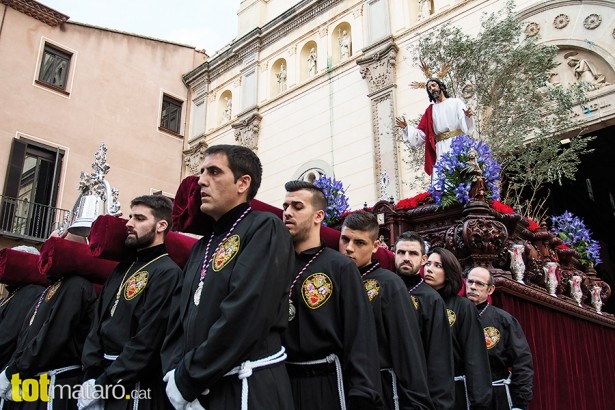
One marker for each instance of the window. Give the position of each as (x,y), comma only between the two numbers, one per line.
(171,114)
(54,67)
(30,189)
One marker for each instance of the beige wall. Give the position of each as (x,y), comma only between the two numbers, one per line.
(115,92)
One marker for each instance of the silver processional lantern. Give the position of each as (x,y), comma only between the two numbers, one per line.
(96,197)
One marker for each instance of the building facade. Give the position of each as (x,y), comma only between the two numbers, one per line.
(65,89)
(314,86)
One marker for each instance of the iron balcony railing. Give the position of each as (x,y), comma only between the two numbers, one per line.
(22,219)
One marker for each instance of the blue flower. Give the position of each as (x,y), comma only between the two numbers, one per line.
(572,230)
(337,201)
(452,185)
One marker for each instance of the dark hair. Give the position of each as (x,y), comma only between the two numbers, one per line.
(452,272)
(362,221)
(319,201)
(442,88)
(242,161)
(161,206)
(411,236)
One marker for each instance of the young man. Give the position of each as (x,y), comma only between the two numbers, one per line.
(123,346)
(231,309)
(402,358)
(509,353)
(433,320)
(331,338)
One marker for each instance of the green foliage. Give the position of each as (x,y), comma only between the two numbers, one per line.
(503,76)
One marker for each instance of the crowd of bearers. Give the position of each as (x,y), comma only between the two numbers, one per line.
(402,359)
(331,337)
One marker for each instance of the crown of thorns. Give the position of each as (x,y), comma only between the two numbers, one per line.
(429,74)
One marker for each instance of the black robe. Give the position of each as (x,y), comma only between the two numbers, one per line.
(13,310)
(52,337)
(136,330)
(437,340)
(333,316)
(470,354)
(399,339)
(242,313)
(508,349)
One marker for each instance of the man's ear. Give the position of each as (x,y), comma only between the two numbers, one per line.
(490,290)
(319,216)
(161,226)
(243,184)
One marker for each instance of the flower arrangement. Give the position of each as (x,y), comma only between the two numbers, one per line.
(337,201)
(453,181)
(413,202)
(572,230)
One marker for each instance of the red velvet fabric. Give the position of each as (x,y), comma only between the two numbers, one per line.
(108,234)
(19,268)
(60,257)
(187,217)
(426,125)
(573,360)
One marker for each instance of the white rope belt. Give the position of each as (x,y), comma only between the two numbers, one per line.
(462,378)
(332,358)
(245,369)
(506,383)
(135,400)
(52,380)
(394,384)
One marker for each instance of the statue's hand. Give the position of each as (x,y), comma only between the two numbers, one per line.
(401,122)
(468,112)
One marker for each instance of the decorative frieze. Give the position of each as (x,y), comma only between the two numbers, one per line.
(246,131)
(193,157)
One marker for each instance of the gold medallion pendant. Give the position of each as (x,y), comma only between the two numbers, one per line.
(197,294)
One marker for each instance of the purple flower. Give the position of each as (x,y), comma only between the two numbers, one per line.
(572,230)
(337,201)
(452,185)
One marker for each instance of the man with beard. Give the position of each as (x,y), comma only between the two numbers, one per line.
(224,347)
(510,357)
(123,346)
(443,120)
(433,319)
(402,358)
(331,336)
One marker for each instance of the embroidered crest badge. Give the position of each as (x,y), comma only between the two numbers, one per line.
(225,253)
(135,284)
(415,302)
(316,289)
(52,290)
(452,317)
(492,336)
(372,287)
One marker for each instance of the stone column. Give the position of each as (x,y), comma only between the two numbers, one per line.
(378,69)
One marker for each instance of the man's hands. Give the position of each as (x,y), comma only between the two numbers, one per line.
(5,386)
(87,395)
(173,393)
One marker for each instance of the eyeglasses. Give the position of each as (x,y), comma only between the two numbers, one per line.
(478,283)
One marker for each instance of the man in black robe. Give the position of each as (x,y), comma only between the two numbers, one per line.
(433,320)
(402,359)
(331,337)
(13,309)
(130,321)
(224,350)
(510,356)
(51,341)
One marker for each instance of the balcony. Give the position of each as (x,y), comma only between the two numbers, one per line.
(22,220)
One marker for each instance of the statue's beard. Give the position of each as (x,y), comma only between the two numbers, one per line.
(435,94)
